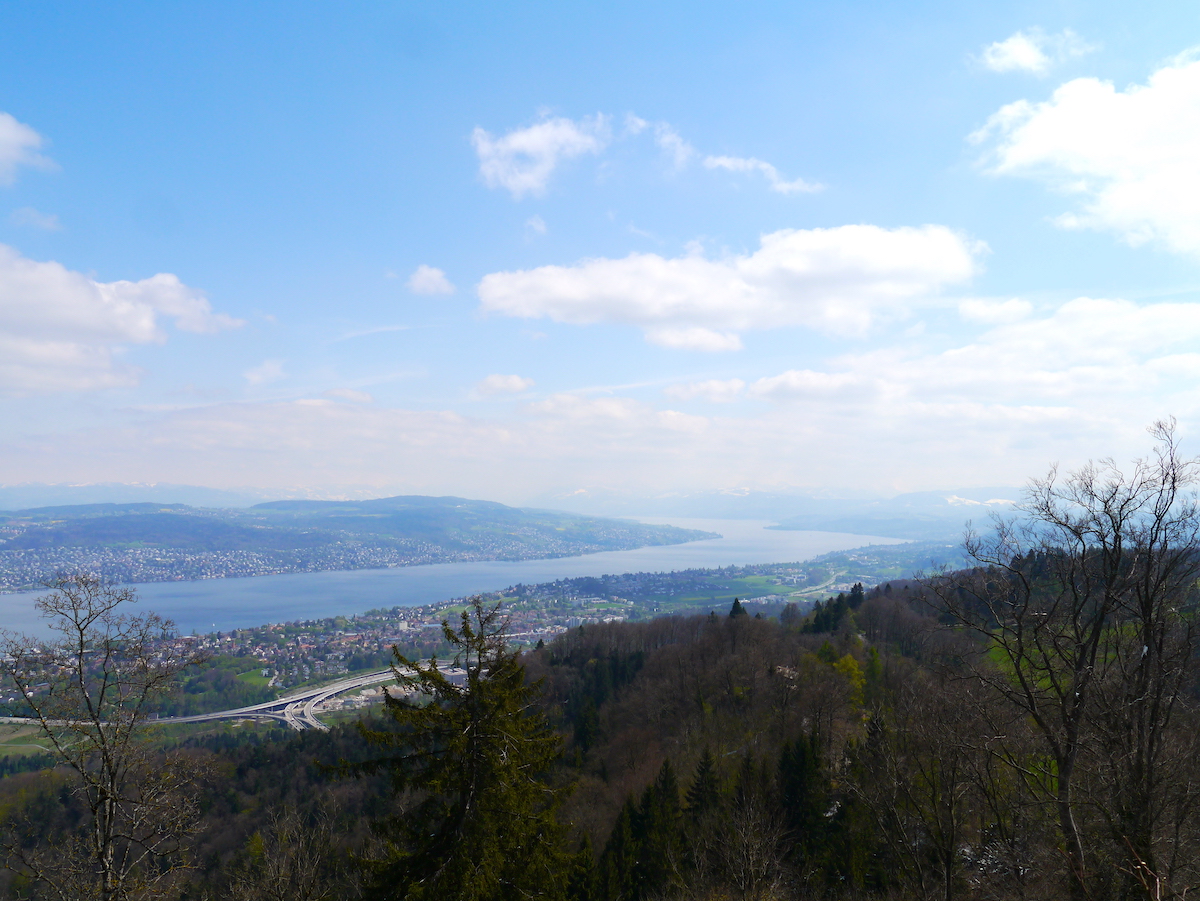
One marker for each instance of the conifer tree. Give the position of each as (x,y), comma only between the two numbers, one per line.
(704,794)
(619,860)
(660,851)
(475,819)
(804,795)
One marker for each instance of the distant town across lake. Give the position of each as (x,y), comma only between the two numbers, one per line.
(223,604)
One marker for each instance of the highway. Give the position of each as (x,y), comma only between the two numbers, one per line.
(299,710)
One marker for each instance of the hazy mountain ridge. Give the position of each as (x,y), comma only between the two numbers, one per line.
(149,542)
(920,515)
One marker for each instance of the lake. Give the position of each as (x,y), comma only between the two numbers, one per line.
(224,604)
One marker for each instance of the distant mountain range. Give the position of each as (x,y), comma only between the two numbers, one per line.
(923,515)
(147,542)
(919,515)
(30,495)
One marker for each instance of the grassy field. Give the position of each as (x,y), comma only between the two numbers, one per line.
(719,598)
(254,677)
(18,740)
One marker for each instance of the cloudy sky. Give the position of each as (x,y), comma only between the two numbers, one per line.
(515,251)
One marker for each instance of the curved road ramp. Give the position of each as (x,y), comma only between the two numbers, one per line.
(299,710)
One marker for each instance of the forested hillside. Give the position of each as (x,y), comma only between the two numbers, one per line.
(711,756)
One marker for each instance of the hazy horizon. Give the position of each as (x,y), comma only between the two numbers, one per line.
(634,251)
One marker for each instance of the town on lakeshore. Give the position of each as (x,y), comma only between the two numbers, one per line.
(278,657)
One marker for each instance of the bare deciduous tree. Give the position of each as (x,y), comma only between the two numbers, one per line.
(1086,609)
(291,860)
(91,690)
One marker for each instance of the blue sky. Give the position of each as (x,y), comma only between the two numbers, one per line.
(520,251)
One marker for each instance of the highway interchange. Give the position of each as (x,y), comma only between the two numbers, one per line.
(298,710)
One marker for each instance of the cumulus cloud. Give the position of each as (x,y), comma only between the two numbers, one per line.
(1129,156)
(694,338)
(836,280)
(750,164)
(1033,51)
(1088,351)
(61,330)
(428,280)
(523,160)
(265,372)
(717,391)
(19,145)
(994,312)
(502,384)
(27,215)
(807,384)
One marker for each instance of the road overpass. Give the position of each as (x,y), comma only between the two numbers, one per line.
(298,710)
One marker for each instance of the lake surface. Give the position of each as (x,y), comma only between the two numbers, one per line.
(224,604)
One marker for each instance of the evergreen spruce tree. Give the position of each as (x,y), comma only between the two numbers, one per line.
(469,763)
(737,609)
(660,851)
(804,795)
(704,795)
(619,860)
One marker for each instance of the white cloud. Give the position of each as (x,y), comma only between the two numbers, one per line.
(165,293)
(1077,381)
(994,312)
(694,338)
(428,280)
(837,280)
(523,160)
(672,144)
(1113,353)
(750,164)
(27,215)
(502,384)
(616,412)
(717,391)
(60,330)
(19,145)
(265,372)
(806,384)
(1033,51)
(536,224)
(635,125)
(350,394)
(1129,156)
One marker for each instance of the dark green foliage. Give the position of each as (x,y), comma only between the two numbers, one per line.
(828,616)
(214,685)
(704,794)
(469,763)
(26,763)
(600,672)
(736,609)
(804,794)
(644,857)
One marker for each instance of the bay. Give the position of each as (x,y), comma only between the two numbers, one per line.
(224,604)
